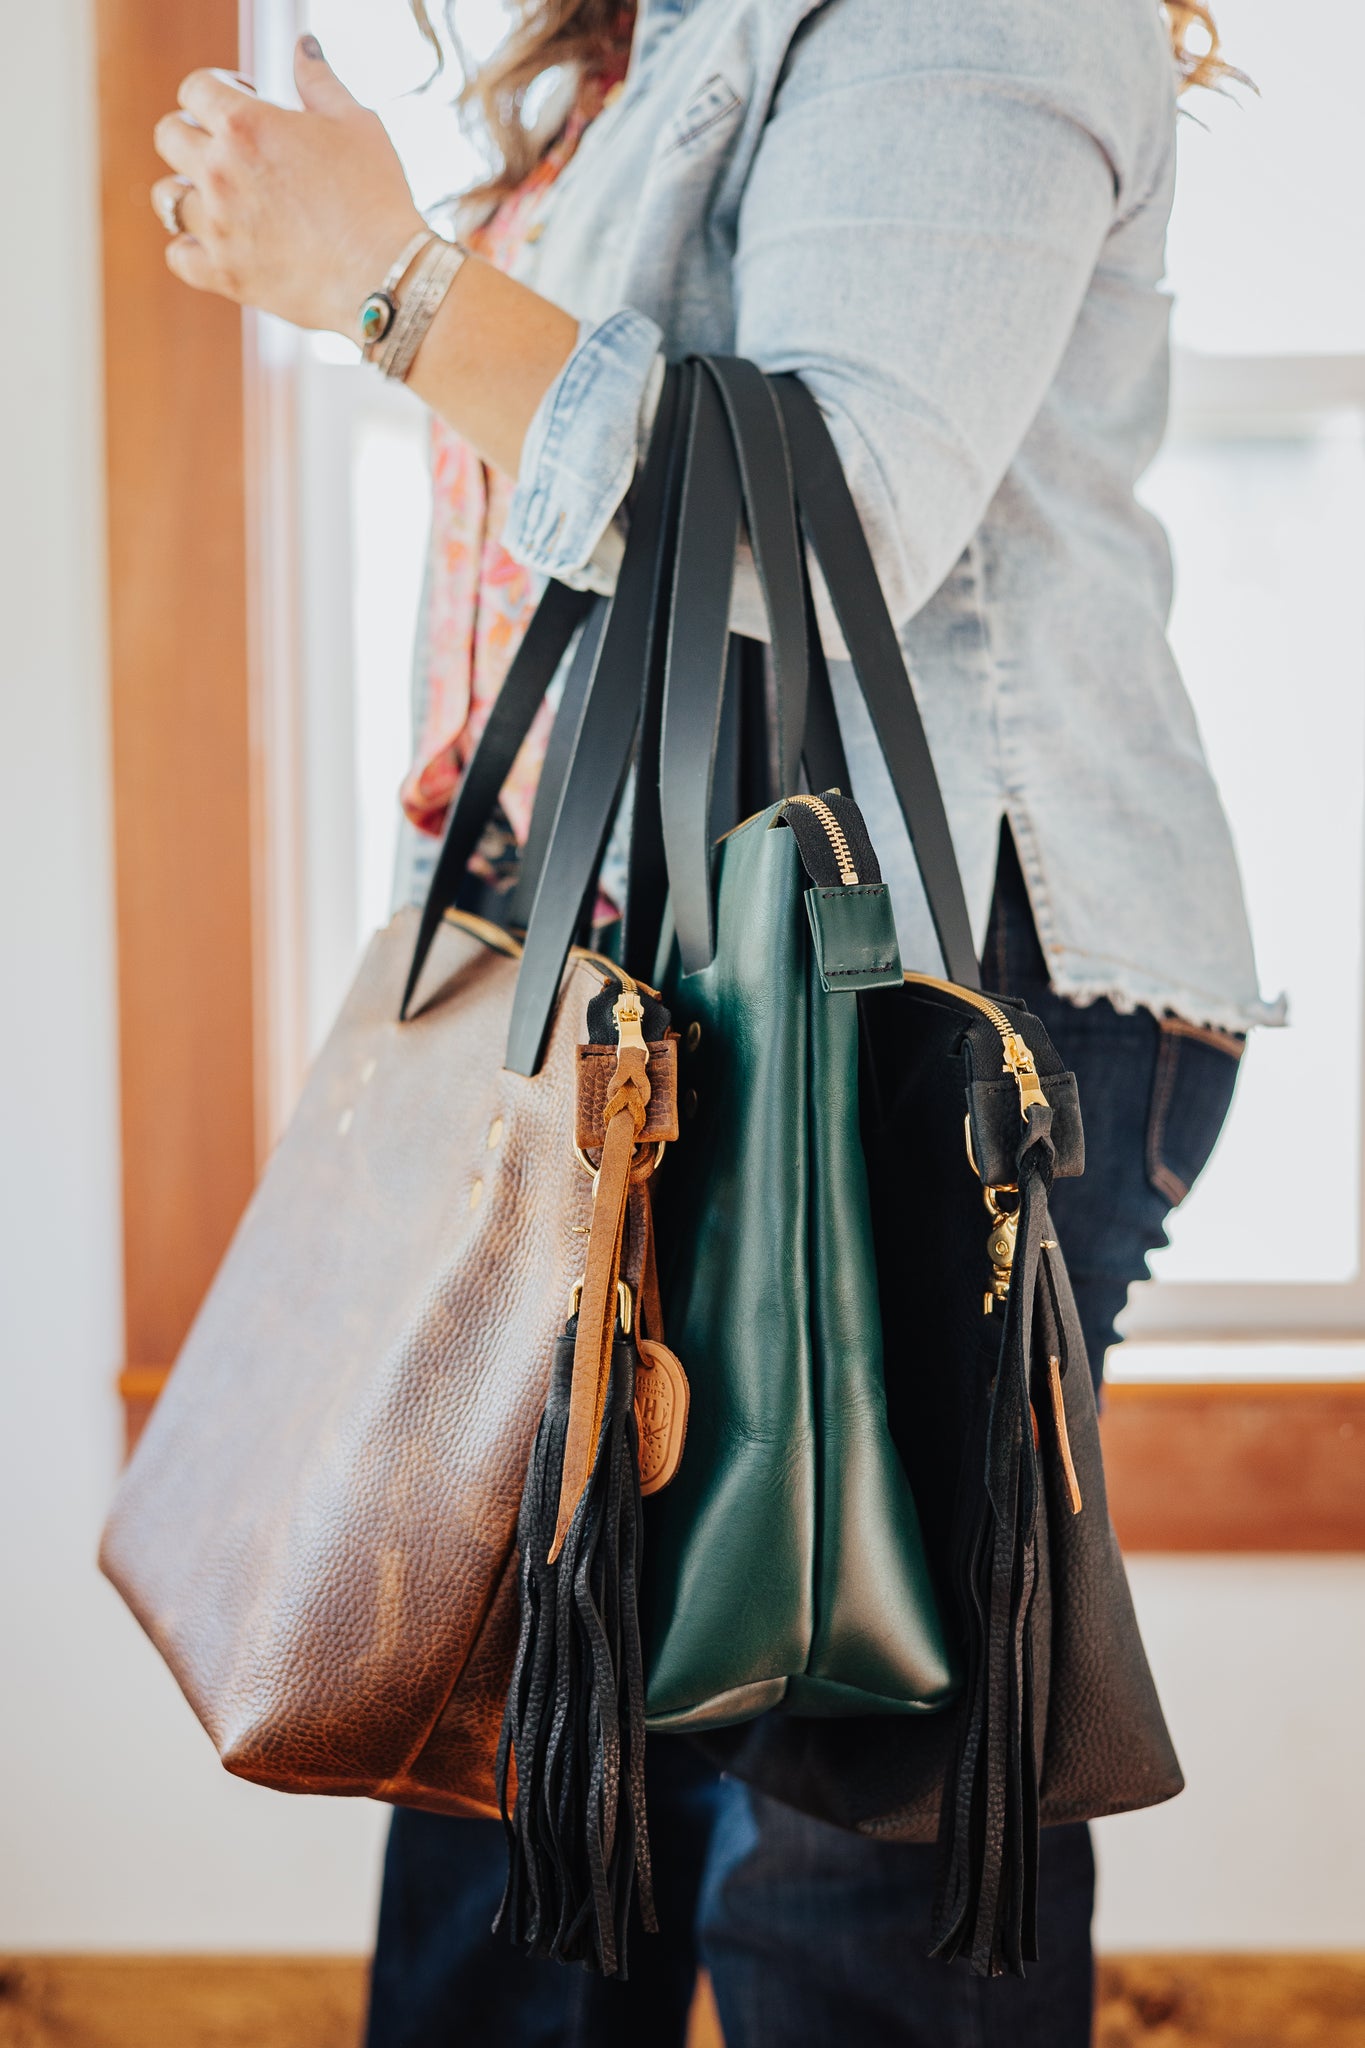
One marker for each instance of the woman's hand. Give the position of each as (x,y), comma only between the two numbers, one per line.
(301,213)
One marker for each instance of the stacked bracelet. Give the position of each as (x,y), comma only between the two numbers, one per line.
(397,340)
(379,310)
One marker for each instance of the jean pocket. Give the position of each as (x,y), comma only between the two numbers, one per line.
(1196,1072)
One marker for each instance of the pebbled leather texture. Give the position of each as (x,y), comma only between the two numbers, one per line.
(317,1527)
(1098,1727)
(773,1573)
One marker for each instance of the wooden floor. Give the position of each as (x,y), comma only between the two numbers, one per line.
(271,2002)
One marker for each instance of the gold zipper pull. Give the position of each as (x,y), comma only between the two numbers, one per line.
(1019,1062)
(629,1013)
(999,1250)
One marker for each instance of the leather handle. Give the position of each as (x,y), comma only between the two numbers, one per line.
(770,517)
(830,519)
(694,682)
(736,460)
(555,766)
(602,742)
(556,619)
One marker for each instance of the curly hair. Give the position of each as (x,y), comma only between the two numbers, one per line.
(1202,66)
(586,34)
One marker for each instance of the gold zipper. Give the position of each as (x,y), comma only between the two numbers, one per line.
(629,1013)
(503,941)
(1018,1058)
(834,832)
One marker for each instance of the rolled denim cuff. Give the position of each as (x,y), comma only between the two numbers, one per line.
(581,451)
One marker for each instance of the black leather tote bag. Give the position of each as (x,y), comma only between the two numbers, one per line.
(967,1116)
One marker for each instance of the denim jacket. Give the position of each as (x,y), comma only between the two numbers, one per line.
(950,221)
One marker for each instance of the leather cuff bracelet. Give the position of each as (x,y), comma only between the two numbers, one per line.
(395,346)
(377,314)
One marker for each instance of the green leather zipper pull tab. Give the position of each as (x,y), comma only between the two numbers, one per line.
(849,908)
(855,937)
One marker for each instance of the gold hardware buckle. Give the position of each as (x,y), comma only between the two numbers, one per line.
(625,1305)
(638,1172)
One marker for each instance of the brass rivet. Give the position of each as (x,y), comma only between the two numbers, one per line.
(344,1122)
(476,1194)
(495,1134)
(693,1036)
(690,1102)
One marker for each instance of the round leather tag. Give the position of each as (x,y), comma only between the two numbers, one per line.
(661,1396)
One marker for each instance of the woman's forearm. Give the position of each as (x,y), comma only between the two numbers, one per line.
(489,356)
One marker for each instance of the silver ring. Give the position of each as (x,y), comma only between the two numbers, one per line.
(169,205)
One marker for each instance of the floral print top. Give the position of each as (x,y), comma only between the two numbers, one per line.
(479,599)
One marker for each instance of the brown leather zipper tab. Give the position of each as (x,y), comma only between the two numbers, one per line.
(1073,1485)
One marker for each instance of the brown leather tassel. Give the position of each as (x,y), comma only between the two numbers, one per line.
(625,1114)
(571,1757)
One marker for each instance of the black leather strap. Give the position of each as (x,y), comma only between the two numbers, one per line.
(555,767)
(602,745)
(823,750)
(770,517)
(552,627)
(736,455)
(694,685)
(642,913)
(836,536)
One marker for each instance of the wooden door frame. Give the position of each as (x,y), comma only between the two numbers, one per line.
(203,661)
(189,981)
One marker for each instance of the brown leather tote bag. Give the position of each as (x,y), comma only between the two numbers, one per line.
(318,1527)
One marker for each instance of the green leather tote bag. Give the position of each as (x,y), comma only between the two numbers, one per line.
(784,1564)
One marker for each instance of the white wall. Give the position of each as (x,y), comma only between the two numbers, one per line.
(1261,1665)
(117,1829)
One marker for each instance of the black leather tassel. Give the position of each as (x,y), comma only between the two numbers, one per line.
(574,1726)
(986,1904)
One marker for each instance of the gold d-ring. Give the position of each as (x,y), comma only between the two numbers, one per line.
(592,1170)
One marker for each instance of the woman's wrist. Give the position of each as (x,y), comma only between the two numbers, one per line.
(363,276)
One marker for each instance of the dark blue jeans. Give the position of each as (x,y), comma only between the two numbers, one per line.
(814,1936)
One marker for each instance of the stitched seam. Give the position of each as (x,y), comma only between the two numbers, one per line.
(846,973)
(1205,1034)
(1163,1087)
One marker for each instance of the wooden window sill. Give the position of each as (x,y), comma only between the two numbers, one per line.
(1236,1467)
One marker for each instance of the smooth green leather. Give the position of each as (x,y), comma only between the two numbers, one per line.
(784,1564)
(854,934)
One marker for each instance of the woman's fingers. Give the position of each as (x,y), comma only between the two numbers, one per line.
(214,98)
(179,143)
(191,263)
